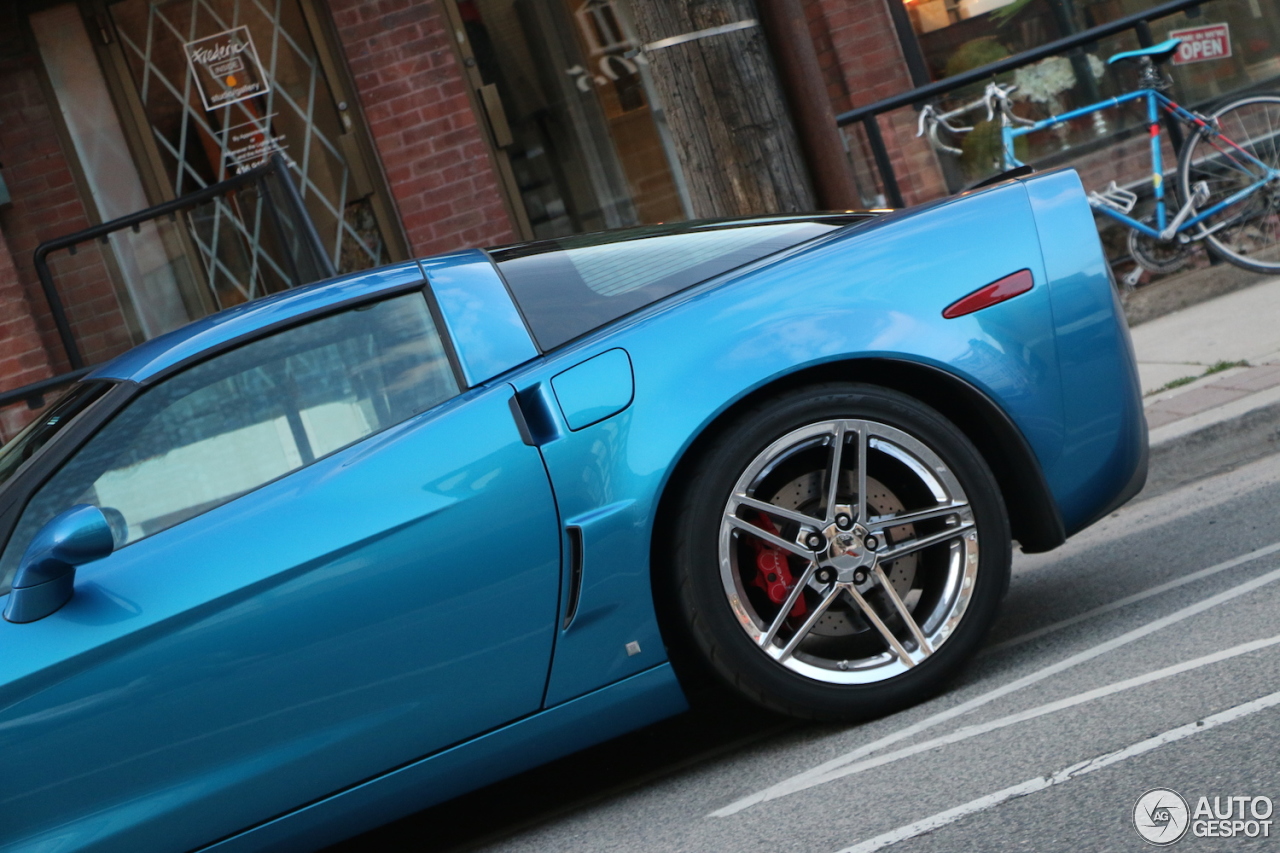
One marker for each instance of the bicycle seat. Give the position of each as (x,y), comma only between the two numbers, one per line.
(1158,52)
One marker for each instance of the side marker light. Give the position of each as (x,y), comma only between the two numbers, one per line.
(995,292)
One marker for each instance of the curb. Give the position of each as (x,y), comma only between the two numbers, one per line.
(1212,449)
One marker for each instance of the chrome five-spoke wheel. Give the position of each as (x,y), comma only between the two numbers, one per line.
(856,554)
(827,569)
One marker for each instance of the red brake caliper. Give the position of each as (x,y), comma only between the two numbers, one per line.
(773,575)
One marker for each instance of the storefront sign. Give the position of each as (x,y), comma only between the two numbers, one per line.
(613,52)
(226,68)
(248,146)
(1202,43)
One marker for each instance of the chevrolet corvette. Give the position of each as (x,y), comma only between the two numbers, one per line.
(329,557)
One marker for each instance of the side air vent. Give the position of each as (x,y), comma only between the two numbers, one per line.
(575,574)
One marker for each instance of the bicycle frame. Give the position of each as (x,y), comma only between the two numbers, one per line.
(1156,101)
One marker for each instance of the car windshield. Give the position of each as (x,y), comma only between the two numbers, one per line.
(38,433)
(569,286)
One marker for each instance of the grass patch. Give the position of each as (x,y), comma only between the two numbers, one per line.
(1225,365)
(1216,367)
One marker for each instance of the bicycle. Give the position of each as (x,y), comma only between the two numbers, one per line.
(1230,184)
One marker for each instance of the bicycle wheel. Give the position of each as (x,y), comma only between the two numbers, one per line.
(1248,231)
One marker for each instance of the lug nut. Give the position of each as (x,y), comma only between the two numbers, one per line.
(872,543)
(859,577)
(825,575)
(843,521)
(814,541)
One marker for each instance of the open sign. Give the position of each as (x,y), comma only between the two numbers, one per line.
(1212,41)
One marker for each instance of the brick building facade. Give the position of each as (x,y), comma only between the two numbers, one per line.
(420,126)
(428,136)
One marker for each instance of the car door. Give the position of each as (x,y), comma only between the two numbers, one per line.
(329,563)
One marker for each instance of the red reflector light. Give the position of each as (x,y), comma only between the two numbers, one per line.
(984,297)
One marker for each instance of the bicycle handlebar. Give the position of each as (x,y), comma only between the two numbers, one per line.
(995,98)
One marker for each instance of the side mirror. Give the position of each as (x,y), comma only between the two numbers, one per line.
(46,576)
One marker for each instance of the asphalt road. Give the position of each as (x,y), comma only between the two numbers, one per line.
(1143,654)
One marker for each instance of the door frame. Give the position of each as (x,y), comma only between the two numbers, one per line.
(492,119)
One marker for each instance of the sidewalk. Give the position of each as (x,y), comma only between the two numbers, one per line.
(1223,356)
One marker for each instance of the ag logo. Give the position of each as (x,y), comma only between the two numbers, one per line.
(1161,816)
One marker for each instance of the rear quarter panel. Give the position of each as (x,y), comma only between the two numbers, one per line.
(877,290)
(1105,432)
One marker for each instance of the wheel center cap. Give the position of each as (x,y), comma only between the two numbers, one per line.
(847,550)
(845,543)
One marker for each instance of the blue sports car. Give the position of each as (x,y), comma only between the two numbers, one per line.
(330,557)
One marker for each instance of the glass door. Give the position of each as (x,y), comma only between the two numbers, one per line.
(220,85)
(579,132)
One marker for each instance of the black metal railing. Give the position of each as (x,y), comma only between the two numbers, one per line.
(301,255)
(33,395)
(1139,23)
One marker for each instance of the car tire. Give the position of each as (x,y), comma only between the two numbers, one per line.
(758,532)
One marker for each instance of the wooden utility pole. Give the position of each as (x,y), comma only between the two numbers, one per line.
(785,24)
(724,106)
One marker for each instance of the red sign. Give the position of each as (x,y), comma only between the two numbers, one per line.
(1212,41)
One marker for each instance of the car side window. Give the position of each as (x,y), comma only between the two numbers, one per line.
(233,423)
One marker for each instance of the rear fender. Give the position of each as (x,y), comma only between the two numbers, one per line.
(1104,452)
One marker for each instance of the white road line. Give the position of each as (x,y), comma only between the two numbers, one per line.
(1066,774)
(809,778)
(1130,599)
(1050,708)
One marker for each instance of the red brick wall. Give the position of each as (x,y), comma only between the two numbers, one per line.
(22,355)
(828,60)
(856,38)
(46,204)
(414,95)
(1122,162)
